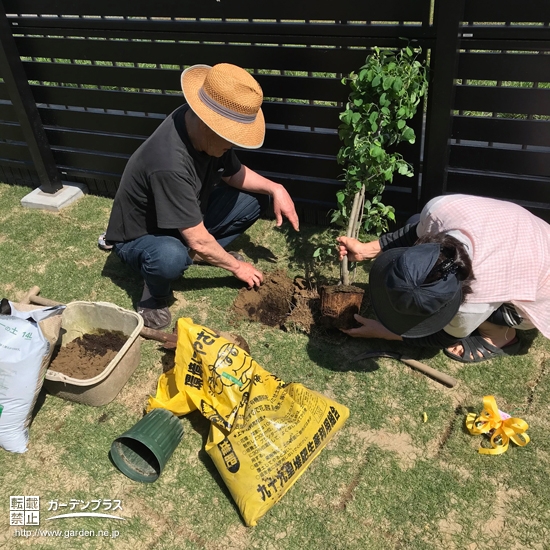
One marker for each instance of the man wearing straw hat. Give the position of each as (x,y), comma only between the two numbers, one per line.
(184,194)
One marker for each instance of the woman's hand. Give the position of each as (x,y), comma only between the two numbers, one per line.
(370,328)
(357,251)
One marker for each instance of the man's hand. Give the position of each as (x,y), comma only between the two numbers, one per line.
(355,250)
(249,274)
(201,242)
(284,206)
(370,329)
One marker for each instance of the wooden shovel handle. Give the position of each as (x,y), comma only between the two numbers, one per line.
(432,373)
(159,336)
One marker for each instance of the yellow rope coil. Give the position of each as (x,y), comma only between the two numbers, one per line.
(503,430)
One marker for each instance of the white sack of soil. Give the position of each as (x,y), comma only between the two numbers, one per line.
(26,343)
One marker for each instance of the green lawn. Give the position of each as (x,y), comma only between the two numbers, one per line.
(387,480)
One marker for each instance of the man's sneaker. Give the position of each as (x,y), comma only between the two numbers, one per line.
(154,311)
(197,260)
(102,243)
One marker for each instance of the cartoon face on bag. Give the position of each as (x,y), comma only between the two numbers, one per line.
(230,369)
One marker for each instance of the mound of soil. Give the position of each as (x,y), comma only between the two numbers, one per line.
(281,302)
(87,356)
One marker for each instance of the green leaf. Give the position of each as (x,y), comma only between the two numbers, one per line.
(376,151)
(345,117)
(403,169)
(397,84)
(317,253)
(376,81)
(408,135)
(400,124)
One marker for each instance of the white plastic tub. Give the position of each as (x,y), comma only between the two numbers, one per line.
(87,317)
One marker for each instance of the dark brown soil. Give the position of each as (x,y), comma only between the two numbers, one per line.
(281,302)
(87,356)
(339,304)
(270,303)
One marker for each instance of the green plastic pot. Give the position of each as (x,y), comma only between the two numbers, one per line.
(142,452)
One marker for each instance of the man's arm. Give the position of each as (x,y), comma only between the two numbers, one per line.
(203,243)
(248,180)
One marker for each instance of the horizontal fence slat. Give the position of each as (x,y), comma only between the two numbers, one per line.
(138,125)
(296,87)
(530,101)
(103,99)
(397,10)
(503,44)
(276,139)
(512,161)
(302,142)
(120,145)
(225,31)
(91,162)
(519,37)
(11,132)
(276,161)
(501,130)
(7,112)
(506,10)
(500,186)
(504,66)
(321,59)
(14,151)
(280,113)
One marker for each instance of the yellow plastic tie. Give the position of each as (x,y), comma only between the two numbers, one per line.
(503,431)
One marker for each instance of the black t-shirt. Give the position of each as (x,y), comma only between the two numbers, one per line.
(165,183)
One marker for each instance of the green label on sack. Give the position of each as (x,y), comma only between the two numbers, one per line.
(1,409)
(232,378)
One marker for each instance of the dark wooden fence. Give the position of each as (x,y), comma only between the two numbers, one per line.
(103,78)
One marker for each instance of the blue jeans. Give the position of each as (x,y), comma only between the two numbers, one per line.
(161,259)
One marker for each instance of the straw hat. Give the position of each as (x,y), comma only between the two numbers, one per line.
(228,100)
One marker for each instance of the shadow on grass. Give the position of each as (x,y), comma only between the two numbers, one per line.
(202,426)
(123,276)
(131,282)
(252,251)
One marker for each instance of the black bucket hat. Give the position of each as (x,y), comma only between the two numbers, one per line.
(402,301)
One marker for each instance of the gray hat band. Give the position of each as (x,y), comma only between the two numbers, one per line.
(224,111)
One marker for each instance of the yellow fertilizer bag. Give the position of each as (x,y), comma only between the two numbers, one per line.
(264,433)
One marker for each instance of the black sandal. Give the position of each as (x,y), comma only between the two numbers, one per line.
(477,349)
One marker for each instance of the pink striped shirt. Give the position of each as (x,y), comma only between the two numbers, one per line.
(510,251)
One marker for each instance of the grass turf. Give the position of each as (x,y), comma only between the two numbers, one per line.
(387,480)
